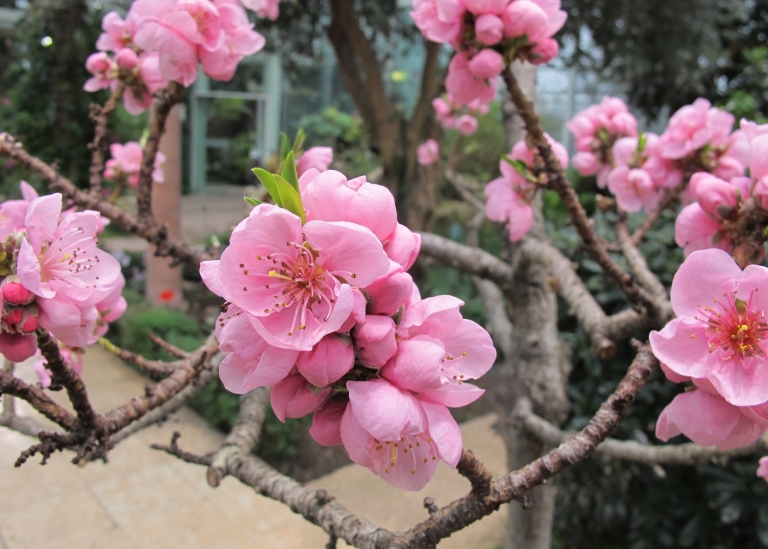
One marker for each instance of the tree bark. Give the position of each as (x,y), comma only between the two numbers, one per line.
(395,137)
(537,367)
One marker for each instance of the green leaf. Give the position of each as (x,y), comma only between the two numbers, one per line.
(252,201)
(520,166)
(299,141)
(290,198)
(285,145)
(289,171)
(268,180)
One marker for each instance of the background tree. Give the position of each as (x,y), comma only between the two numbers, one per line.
(669,53)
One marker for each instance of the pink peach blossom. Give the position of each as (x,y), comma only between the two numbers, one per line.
(463,87)
(428,152)
(294,281)
(719,333)
(707,420)
(438,20)
(397,436)
(329,196)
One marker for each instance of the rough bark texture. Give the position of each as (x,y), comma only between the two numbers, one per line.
(535,369)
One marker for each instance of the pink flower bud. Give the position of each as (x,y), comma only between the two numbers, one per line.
(441,106)
(29,325)
(127,59)
(486,64)
(428,152)
(586,163)
(623,123)
(13,317)
(98,62)
(16,294)
(294,397)
(375,340)
(327,362)
(524,18)
(489,29)
(326,423)
(712,192)
(545,51)
(466,124)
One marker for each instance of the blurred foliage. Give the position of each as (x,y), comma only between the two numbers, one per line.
(333,128)
(479,154)
(43,102)
(670,53)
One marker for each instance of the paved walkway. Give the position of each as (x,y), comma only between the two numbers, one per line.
(145,499)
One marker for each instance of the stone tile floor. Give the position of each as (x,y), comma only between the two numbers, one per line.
(145,499)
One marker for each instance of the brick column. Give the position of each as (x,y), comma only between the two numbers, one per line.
(163,285)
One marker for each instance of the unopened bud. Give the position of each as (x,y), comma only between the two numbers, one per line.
(29,325)
(16,294)
(13,317)
(127,59)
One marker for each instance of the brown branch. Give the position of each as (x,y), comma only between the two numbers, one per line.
(162,412)
(498,324)
(672,454)
(164,391)
(243,436)
(422,111)
(167,347)
(468,259)
(642,273)
(314,505)
(102,116)
(147,229)
(462,512)
(161,107)
(556,180)
(572,289)
(62,374)
(37,398)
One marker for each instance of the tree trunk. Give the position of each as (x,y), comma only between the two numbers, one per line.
(537,367)
(395,137)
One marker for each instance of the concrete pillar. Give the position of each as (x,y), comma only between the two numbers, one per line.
(163,285)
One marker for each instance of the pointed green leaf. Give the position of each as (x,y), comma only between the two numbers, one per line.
(252,201)
(268,180)
(289,171)
(285,145)
(290,198)
(299,141)
(520,166)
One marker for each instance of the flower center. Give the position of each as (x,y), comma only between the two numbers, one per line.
(735,326)
(301,283)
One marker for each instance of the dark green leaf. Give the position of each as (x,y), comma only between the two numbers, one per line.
(252,201)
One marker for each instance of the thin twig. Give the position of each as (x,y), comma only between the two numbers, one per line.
(63,374)
(671,454)
(102,116)
(557,181)
(147,229)
(161,108)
